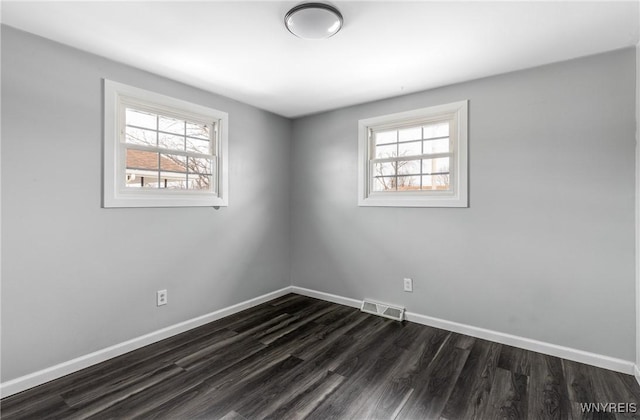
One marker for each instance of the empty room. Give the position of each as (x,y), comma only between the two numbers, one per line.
(320,210)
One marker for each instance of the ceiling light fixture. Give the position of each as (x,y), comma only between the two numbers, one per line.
(313,21)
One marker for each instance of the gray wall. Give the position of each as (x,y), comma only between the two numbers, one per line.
(546,248)
(77,278)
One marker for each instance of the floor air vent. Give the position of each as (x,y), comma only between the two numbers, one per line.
(382,309)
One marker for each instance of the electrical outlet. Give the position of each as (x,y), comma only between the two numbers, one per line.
(408,285)
(161,297)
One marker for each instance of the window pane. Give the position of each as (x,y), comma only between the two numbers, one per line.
(199,181)
(386,183)
(413,133)
(171,125)
(408,167)
(173,163)
(432,166)
(173,180)
(410,149)
(200,170)
(408,183)
(169,141)
(140,118)
(198,146)
(436,130)
(385,168)
(200,131)
(200,165)
(135,179)
(436,146)
(390,150)
(139,136)
(142,169)
(386,137)
(138,159)
(436,182)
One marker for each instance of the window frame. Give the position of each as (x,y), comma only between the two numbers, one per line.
(117,96)
(457,113)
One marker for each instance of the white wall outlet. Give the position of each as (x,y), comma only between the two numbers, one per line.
(161,297)
(408,285)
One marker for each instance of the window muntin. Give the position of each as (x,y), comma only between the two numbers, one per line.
(161,151)
(414,159)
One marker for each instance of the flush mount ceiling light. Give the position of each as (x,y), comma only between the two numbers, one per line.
(313,21)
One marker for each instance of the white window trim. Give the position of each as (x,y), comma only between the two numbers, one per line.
(115,194)
(458,197)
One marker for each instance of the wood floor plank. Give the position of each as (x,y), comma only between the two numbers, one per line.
(197,400)
(232,415)
(390,391)
(286,299)
(152,397)
(337,315)
(471,392)
(366,387)
(49,406)
(508,397)
(113,378)
(384,396)
(216,398)
(578,380)
(367,351)
(196,358)
(282,329)
(410,333)
(431,343)
(101,403)
(436,383)
(340,330)
(515,359)
(367,326)
(251,317)
(548,395)
(305,402)
(282,388)
(296,309)
(243,367)
(614,387)
(462,341)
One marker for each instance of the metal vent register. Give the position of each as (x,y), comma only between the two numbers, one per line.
(383,309)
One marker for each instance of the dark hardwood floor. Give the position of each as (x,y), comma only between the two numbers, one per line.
(298,357)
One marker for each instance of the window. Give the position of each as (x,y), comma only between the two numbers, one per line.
(414,159)
(162,152)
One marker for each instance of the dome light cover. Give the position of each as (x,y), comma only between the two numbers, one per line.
(313,21)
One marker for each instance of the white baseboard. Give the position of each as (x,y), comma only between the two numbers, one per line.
(606,362)
(355,303)
(37,378)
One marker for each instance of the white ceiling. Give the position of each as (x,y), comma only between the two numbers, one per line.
(242,50)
